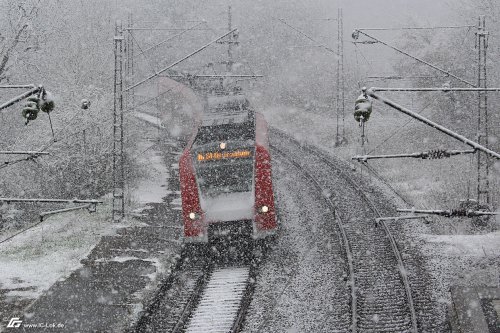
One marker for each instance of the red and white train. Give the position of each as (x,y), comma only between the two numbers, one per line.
(225,174)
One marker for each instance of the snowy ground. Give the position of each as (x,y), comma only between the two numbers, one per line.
(34,260)
(301,286)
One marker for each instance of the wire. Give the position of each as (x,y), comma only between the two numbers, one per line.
(418,59)
(142,52)
(9,163)
(401,127)
(307,36)
(362,55)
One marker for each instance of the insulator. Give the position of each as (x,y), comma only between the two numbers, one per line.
(46,103)
(31,108)
(459,212)
(438,154)
(85,104)
(362,108)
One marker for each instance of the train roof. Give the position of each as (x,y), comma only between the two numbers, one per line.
(229,109)
(226,118)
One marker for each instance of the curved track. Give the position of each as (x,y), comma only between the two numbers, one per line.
(382,299)
(345,242)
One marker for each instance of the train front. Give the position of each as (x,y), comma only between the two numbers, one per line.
(231,190)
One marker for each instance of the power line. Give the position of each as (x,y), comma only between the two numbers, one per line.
(307,36)
(357,32)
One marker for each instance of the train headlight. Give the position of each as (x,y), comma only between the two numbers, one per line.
(263,209)
(194,216)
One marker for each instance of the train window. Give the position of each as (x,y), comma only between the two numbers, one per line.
(226,132)
(230,176)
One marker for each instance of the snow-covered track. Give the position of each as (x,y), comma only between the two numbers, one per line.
(221,301)
(172,302)
(201,297)
(345,242)
(383,297)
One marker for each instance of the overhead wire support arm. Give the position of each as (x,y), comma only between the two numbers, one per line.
(216,76)
(18,86)
(418,28)
(448,212)
(178,61)
(432,154)
(162,29)
(24,95)
(64,210)
(358,31)
(443,89)
(15,152)
(475,145)
(9,200)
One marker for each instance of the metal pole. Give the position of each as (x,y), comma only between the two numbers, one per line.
(342,91)
(337,134)
(179,61)
(118,158)
(229,65)
(483,185)
(426,121)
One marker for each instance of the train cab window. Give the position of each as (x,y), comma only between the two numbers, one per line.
(226,132)
(225,177)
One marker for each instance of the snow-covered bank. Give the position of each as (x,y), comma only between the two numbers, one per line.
(34,260)
(471,245)
(31,262)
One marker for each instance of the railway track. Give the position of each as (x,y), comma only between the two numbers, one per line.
(381,297)
(343,237)
(207,297)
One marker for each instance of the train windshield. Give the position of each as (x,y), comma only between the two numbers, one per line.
(226,175)
(235,176)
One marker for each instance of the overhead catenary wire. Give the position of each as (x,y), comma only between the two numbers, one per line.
(400,128)
(178,61)
(319,44)
(417,59)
